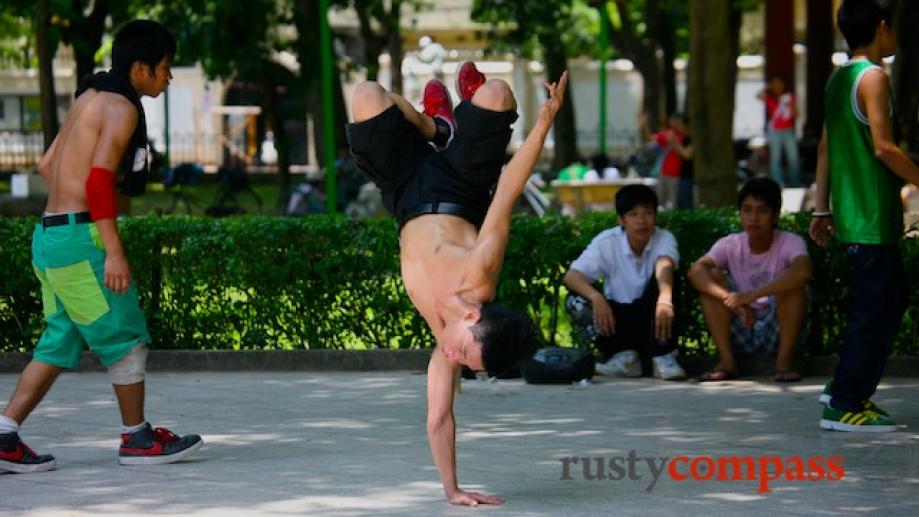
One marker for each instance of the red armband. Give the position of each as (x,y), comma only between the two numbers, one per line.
(100,194)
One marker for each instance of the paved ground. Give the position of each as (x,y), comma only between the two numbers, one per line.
(354,443)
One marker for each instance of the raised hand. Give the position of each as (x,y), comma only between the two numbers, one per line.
(556,98)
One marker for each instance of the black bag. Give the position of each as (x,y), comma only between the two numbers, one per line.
(559,365)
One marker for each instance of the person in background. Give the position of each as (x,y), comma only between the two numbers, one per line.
(671,163)
(781,112)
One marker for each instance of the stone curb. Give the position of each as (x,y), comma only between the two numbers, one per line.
(808,366)
(253,360)
(393,360)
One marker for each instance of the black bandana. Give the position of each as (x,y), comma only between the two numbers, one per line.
(134,163)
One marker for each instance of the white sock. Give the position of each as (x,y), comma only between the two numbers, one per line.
(128,429)
(8,425)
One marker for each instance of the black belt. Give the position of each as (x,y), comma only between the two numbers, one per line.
(442,207)
(64,219)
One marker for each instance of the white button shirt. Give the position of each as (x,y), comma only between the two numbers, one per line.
(624,274)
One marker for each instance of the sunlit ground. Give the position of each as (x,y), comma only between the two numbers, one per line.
(355,443)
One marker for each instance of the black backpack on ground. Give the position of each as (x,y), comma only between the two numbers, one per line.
(559,365)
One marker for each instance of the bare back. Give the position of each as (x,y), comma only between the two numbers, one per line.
(436,254)
(95,133)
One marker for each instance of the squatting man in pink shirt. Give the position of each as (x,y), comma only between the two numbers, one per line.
(762,301)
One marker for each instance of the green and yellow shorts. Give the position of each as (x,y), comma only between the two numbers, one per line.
(69,261)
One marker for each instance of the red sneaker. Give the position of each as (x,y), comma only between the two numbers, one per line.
(468,80)
(437,102)
(16,456)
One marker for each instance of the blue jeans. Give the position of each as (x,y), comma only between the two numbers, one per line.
(879,301)
(784,140)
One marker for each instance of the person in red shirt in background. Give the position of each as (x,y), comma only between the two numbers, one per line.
(780,131)
(669,140)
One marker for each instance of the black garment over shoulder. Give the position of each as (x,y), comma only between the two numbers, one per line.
(134,163)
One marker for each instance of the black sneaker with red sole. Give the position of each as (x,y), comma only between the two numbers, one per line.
(16,456)
(150,446)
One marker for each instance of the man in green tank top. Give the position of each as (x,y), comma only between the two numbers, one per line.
(861,169)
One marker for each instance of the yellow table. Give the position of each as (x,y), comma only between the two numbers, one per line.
(580,195)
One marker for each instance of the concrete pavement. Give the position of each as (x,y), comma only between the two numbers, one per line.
(287,443)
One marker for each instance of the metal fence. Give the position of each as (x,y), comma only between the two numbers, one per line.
(23,150)
(20,150)
(619,142)
(202,148)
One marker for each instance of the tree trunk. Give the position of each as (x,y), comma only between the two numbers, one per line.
(308,48)
(46,46)
(780,40)
(711,83)
(373,45)
(649,44)
(667,41)
(647,66)
(641,49)
(341,112)
(85,36)
(819,64)
(314,110)
(281,142)
(735,20)
(906,74)
(394,46)
(563,131)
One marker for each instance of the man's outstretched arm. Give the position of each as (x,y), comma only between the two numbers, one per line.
(442,431)
(492,241)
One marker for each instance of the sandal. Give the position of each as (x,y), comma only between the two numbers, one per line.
(718,374)
(786,376)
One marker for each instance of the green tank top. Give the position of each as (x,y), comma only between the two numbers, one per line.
(865,193)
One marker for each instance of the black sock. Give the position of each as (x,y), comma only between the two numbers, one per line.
(443,131)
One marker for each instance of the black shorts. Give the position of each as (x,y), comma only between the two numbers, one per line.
(415,179)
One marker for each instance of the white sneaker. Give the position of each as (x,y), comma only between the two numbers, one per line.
(666,367)
(623,364)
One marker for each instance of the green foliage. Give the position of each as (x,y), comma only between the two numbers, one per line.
(517,26)
(17,40)
(227,38)
(326,282)
(242,283)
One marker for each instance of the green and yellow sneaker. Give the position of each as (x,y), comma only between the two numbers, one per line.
(864,421)
(868,404)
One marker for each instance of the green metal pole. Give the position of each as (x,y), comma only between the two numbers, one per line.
(604,22)
(328,108)
(167,162)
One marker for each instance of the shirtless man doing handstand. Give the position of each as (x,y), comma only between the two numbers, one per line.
(436,174)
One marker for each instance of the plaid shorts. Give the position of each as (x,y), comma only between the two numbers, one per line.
(763,337)
(582,315)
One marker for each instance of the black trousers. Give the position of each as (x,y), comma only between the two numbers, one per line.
(634,324)
(393,154)
(880,298)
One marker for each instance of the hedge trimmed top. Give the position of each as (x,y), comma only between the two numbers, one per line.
(327,282)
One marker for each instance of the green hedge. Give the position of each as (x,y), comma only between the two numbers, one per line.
(326,282)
